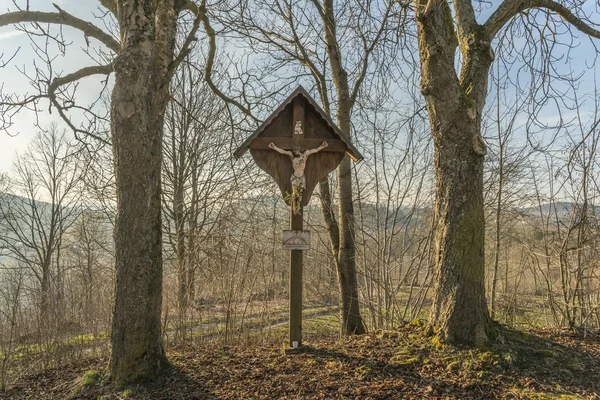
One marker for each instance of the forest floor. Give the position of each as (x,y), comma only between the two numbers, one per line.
(395,364)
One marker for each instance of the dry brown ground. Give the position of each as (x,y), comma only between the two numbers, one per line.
(399,364)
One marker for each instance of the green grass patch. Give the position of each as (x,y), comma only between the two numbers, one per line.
(89,378)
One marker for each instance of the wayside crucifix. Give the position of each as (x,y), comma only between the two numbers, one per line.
(298,145)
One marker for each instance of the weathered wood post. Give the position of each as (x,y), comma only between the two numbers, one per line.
(296,223)
(298,145)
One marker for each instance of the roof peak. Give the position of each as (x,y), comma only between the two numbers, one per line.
(352,151)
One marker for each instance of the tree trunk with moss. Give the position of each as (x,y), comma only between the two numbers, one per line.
(143,65)
(459,307)
(454,104)
(139,100)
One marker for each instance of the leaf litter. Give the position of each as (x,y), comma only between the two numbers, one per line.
(404,363)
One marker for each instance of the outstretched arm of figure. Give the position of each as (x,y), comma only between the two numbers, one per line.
(315,150)
(280,150)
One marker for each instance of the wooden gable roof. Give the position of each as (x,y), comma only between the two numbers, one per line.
(314,107)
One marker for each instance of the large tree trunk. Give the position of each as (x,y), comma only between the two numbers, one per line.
(459,308)
(454,104)
(139,99)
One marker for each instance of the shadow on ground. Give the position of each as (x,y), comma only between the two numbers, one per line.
(397,364)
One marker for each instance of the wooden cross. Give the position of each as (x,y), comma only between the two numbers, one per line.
(298,145)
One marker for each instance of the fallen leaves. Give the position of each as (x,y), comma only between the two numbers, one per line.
(404,363)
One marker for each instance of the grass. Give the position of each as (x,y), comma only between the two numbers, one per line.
(319,327)
(88,379)
(264,325)
(33,349)
(531,311)
(275,325)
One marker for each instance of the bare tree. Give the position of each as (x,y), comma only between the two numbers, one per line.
(454,101)
(43,204)
(196,174)
(394,203)
(506,175)
(88,254)
(143,60)
(11,290)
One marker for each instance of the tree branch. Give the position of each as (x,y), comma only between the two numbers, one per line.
(333,49)
(212,49)
(305,59)
(510,8)
(191,37)
(61,18)
(465,18)
(75,76)
(111,5)
(368,49)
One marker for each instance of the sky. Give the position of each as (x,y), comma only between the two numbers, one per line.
(13,81)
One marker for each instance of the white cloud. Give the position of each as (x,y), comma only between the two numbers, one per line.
(10,34)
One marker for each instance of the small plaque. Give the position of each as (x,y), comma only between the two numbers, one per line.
(296,240)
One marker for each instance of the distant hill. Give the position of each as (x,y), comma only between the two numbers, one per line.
(22,215)
(561,208)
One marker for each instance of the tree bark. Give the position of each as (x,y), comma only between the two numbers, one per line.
(180,249)
(143,68)
(459,310)
(498,244)
(45,298)
(352,322)
(459,307)
(139,100)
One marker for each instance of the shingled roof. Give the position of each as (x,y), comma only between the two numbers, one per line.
(300,91)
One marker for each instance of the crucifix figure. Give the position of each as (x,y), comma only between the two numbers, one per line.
(298,178)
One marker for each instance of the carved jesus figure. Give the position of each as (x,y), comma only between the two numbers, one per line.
(298,161)
(298,178)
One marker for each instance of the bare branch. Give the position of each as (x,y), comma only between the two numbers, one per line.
(212,49)
(61,18)
(510,8)
(368,49)
(191,37)
(110,5)
(5,63)
(190,6)
(465,18)
(75,76)
(319,77)
(333,48)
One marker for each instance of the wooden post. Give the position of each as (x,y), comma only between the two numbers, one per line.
(296,224)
